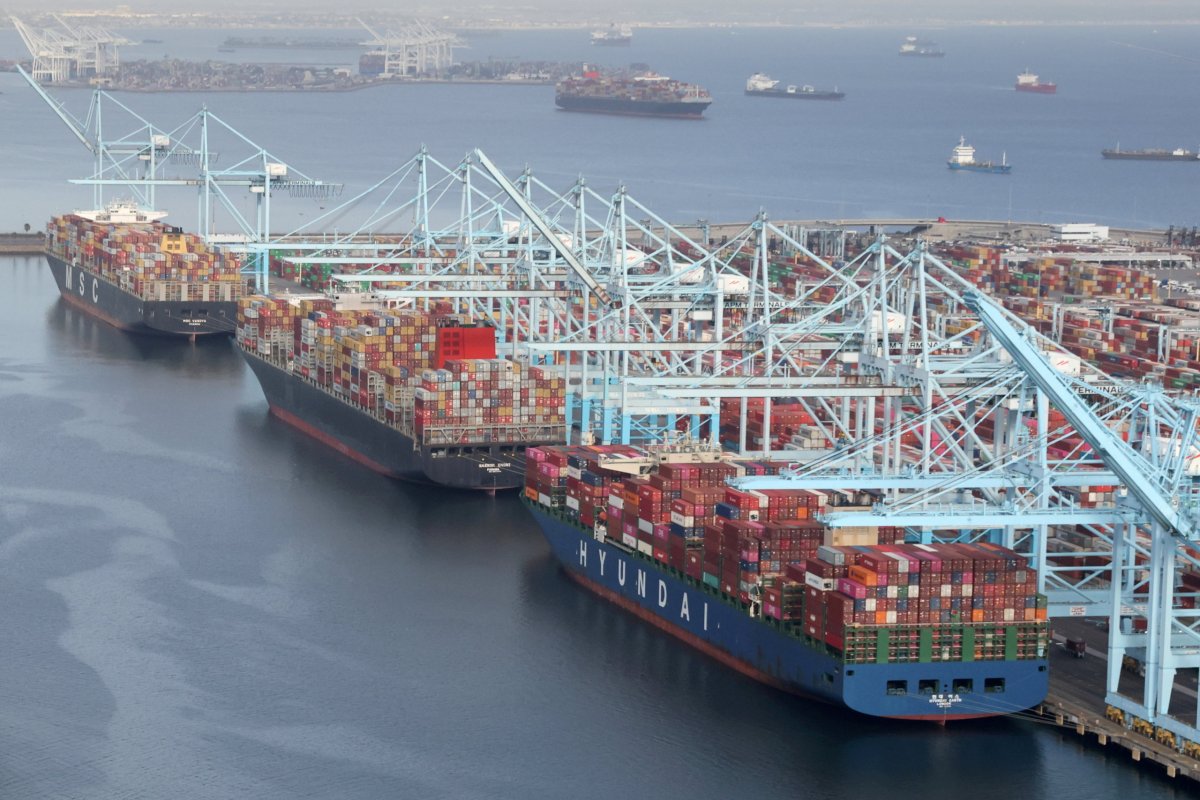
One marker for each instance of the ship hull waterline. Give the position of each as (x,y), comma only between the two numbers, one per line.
(360,436)
(631,108)
(103,299)
(700,617)
(819,95)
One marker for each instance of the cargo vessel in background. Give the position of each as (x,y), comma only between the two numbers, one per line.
(415,396)
(963,158)
(916,632)
(645,94)
(1152,154)
(124,266)
(915,47)
(762,85)
(1029,82)
(613,36)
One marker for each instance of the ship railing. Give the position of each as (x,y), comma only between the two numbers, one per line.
(472,435)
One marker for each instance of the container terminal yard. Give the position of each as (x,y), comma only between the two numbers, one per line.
(955,444)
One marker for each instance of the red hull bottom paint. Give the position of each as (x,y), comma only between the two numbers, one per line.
(329,441)
(725,658)
(92,310)
(349,452)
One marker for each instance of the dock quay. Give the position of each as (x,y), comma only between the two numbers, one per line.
(22,244)
(1076,703)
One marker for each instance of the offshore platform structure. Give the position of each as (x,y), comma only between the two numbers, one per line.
(415,48)
(958,418)
(66,54)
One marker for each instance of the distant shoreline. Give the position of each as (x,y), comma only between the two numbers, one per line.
(301,89)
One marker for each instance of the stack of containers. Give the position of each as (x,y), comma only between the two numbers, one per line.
(877,603)
(902,603)
(380,362)
(265,325)
(486,395)
(151,260)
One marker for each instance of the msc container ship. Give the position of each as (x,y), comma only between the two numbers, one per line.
(122,265)
(918,632)
(415,396)
(647,94)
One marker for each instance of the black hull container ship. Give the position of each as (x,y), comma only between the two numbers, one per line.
(414,396)
(125,267)
(646,94)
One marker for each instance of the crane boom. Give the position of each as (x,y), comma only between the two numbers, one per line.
(535,216)
(1116,454)
(62,113)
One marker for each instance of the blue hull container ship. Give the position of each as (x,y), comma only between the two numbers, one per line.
(955,632)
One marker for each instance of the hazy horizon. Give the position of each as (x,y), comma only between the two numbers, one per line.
(662,11)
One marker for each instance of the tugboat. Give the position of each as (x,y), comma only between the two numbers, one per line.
(763,85)
(963,157)
(1028,82)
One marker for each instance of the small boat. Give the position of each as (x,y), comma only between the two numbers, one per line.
(963,158)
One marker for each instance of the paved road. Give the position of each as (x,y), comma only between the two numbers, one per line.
(1082,680)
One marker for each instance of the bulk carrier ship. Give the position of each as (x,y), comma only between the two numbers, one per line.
(416,396)
(1152,154)
(919,632)
(122,265)
(646,94)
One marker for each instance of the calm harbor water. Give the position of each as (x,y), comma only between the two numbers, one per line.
(203,603)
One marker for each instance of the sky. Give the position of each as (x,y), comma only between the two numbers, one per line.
(787,11)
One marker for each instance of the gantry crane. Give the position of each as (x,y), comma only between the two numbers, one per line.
(136,161)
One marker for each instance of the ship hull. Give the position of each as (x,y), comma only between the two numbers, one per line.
(105,300)
(795,95)
(625,106)
(1040,88)
(1133,155)
(996,169)
(364,438)
(764,650)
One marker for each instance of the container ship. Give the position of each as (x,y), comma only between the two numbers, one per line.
(1028,82)
(647,94)
(1153,154)
(762,85)
(848,616)
(915,47)
(963,158)
(124,266)
(613,36)
(417,396)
